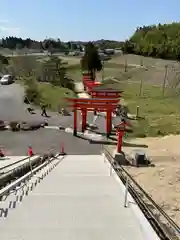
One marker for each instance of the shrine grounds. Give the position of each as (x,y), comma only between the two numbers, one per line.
(142,80)
(159,106)
(158,127)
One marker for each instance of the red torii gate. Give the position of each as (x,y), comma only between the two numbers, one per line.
(105,93)
(85,78)
(89,83)
(86,105)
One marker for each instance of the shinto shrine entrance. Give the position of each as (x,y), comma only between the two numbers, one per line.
(89,83)
(86,105)
(105,93)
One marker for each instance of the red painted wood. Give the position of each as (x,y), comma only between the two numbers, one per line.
(89,107)
(92,100)
(97,109)
(120,141)
(94,95)
(84,119)
(75,122)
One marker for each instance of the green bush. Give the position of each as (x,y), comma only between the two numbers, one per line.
(33,95)
(32,91)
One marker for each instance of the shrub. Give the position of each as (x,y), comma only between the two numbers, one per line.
(32,91)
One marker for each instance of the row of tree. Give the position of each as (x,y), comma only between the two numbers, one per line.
(162,41)
(19,43)
(52,69)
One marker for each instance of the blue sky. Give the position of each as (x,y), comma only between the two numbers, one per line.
(83,19)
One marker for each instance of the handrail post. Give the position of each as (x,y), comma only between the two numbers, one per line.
(111,168)
(31,169)
(104,157)
(126,192)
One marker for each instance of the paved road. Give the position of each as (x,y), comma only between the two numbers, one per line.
(13,108)
(44,140)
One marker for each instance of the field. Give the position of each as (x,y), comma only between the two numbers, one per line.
(134,68)
(144,84)
(152,70)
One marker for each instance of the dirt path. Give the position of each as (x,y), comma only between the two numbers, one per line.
(162,182)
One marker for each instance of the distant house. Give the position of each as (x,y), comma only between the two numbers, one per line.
(109,51)
(74,53)
(104,57)
(118,50)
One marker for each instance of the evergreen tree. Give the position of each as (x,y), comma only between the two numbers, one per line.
(91,62)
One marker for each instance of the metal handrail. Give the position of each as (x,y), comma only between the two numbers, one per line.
(7,166)
(14,184)
(22,165)
(120,172)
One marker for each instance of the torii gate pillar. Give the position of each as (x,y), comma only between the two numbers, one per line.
(108,122)
(84,119)
(75,122)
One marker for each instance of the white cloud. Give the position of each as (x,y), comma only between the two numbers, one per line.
(4,21)
(7,30)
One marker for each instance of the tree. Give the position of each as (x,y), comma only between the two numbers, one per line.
(54,70)
(4,60)
(91,61)
(48,44)
(58,45)
(4,63)
(23,66)
(161,41)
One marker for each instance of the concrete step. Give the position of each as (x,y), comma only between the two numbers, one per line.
(17,195)
(79,200)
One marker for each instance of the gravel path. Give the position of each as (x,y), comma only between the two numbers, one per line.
(12,107)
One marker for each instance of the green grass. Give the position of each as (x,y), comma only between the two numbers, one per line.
(161,114)
(54,96)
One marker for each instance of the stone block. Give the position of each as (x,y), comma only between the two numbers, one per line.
(120,158)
